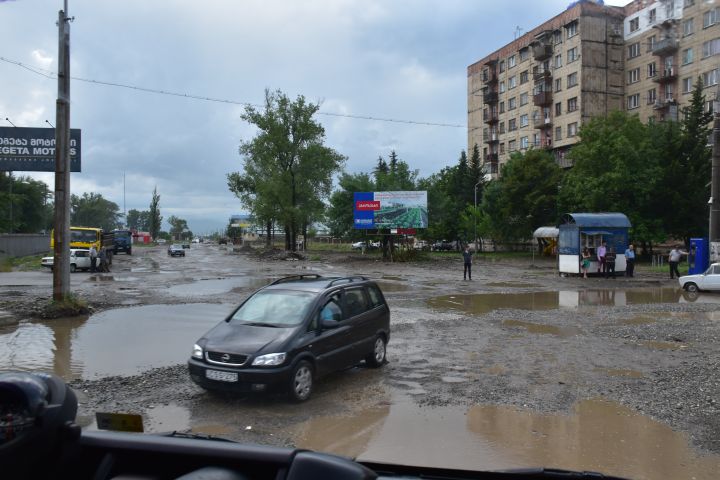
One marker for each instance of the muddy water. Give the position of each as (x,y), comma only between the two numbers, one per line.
(486,302)
(598,435)
(531,327)
(217,286)
(115,342)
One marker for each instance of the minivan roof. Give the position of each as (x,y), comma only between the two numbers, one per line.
(313,282)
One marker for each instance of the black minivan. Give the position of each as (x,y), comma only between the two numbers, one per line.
(291,332)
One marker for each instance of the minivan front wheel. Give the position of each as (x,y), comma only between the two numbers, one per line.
(301,381)
(376,359)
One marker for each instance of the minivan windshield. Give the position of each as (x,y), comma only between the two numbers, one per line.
(276,308)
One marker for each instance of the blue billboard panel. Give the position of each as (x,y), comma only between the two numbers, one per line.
(33,149)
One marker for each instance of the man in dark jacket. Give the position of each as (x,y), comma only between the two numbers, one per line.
(467,260)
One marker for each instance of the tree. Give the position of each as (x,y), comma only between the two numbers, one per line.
(287,169)
(92,210)
(177,226)
(155,219)
(24,203)
(340,212)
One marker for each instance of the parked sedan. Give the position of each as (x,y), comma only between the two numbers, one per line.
(710,280)
(176,250)
(79,260)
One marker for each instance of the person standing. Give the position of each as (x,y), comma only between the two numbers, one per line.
(630,260)
(467,263)
(103,260)
(610,262)
(673,259)
(585,262)
(93,259)
(601,252)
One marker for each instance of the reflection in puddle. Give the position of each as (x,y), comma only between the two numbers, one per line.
(487,302)
(115,342)
(544,329)
(217,286)
(599,436)
(512,285)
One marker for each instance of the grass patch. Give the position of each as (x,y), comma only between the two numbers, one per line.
(315,258)
(665,268)
(70,306)
(22,264)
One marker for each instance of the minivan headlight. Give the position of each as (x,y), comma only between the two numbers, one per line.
(197,352)
(269,359)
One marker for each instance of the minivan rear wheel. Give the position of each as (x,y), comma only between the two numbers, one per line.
(376,359)
(301,381)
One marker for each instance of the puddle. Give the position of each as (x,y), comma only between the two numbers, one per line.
(217,286)
(451,379)
(513,285)
(620,372)
(112,278)
(486,302)
(544,329)
(166,418)
(598,436)
(114,342)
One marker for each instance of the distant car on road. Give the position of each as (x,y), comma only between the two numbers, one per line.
(79,260)
(443,246)
(710,280)
(186,244)
(176,250)
(289,333)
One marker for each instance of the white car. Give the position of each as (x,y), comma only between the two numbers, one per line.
(79,260)
(710,280)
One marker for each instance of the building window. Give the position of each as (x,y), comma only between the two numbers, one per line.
(652,40)
(571,29)
(524,142)
(572,104)
(669,92)
(572,79)
(502,148)
(524,98)
(688,3)
(634,24)
(687,56)
(511,61)
(711,77)
(651,69)
(524,77)
(711,47)
(502,107)
(634,50)
(524,54)
(501,66)
(512,145)
(501,127)
(558,109)
(688,27)
(558,133)
(558,60)
(634,75)
(557,37)
(512,125)
(524,120)
(633,101)
(502,87)
(572,54)
(711,17)
(651,96)
(652,16)
(687,85)
(558,84)
(572,129)
(512,82)
(512,104)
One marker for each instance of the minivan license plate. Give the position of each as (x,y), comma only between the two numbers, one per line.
(221,376)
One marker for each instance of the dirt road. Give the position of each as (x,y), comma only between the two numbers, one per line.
(517,367)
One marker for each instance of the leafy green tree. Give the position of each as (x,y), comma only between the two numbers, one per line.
(339,217)
(287,169)
(616,169)
(154,217)
(177,226)
(92,210)
(24,205)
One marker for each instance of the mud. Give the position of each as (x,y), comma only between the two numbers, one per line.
(518,367)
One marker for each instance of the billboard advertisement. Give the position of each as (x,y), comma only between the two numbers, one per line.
(390,210)
(33,149)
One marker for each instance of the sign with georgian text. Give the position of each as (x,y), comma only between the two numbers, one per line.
(33,149)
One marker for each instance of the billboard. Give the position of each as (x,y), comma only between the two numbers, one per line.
(33,149)
(406,209)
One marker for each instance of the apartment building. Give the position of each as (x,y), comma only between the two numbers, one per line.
(537,91)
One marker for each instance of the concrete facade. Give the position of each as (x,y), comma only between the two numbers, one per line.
(537,91)
(20,245)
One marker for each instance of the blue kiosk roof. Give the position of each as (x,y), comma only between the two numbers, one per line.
(595,220)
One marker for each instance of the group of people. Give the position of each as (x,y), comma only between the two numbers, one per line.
(606,261)
(99,260)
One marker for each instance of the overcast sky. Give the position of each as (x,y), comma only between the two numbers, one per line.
(396,59)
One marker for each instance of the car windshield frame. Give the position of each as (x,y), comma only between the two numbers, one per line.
(274,308)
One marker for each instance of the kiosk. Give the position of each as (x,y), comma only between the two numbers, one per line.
(580,230)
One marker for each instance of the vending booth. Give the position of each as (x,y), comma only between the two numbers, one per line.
(580,230)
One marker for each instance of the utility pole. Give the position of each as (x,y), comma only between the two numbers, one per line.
(61,233)
(714,228)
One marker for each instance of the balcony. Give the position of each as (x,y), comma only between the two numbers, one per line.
(490,78)
(542,122)
(490,97)
(491,158)
(542,143)
(665,46)
(542,74)
(542,50)
(490,118)
(663,104)
(492,137)
(542,99)
(667,74)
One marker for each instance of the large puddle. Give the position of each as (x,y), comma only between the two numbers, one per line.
(115,342)
(486,302)
(599,436)
(217,286)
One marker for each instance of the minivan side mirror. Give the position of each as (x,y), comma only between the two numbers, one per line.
(326,323)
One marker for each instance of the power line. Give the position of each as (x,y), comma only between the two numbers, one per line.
(52,75)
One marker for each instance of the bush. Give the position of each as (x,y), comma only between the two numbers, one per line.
(71,306)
